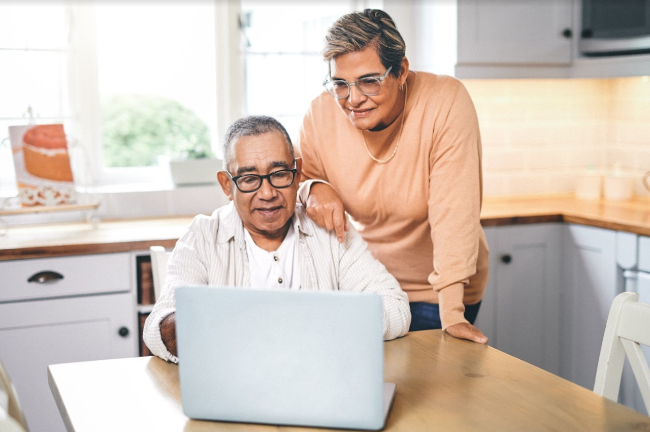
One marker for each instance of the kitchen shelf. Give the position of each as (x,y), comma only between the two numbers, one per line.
(48,209)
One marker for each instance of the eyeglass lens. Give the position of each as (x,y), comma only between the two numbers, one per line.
(341,89)
(278,179)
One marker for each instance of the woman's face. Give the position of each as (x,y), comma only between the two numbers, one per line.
(369,112)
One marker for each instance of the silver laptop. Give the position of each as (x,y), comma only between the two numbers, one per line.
(282,357)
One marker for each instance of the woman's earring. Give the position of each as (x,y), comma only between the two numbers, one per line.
(401,87)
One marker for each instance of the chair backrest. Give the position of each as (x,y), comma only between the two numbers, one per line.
(628,327)
(159,257)
(10,405)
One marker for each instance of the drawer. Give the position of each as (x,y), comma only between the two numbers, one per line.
(65,276)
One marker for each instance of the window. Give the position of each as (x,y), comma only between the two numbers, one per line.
(156,83)
(282,44)
(34,54)
(89,64)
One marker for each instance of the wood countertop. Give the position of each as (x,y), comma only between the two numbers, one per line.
(631,216)
(136,235)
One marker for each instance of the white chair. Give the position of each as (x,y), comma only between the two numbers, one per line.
(12,418)
(628,326)
(159,257)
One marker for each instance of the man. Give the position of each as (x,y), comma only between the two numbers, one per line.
(264,240)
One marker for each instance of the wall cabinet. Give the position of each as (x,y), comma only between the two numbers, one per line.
(85,313)
(503,39)
(514,32)
(521,309)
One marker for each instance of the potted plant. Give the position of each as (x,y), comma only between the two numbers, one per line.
(194,167)
(139,130)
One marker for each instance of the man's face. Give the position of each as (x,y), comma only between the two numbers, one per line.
(265,212)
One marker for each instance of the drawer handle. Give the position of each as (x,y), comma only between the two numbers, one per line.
(45,277)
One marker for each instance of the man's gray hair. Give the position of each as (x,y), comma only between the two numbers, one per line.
(250,126)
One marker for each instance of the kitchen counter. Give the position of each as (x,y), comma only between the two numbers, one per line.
(631,216)
(135,235)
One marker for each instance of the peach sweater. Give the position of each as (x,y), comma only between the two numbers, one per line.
(420,212)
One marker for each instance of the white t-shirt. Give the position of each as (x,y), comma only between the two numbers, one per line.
(277,269)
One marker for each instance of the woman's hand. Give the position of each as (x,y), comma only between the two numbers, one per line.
(326,209)
(467,331)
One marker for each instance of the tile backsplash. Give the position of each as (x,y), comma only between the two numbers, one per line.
(539,135)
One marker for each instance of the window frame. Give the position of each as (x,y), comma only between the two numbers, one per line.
(86,100)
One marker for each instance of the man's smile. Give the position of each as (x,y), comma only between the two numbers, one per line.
(268,211)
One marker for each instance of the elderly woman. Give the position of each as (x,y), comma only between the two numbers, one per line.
(400,151)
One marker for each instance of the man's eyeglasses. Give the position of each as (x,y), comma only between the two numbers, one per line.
(368,86)
(248,183)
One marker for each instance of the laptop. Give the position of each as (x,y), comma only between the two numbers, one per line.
(282,357)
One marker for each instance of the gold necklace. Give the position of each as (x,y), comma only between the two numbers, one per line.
(383,161)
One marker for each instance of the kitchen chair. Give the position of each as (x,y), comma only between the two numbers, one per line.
(159,257)
(11,414)
(628,326)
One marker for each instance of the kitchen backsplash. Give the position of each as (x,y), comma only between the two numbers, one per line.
(540,135)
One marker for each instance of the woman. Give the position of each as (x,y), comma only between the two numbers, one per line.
(400,151)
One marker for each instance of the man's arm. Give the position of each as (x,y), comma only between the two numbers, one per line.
(185,267)
(360,271)
(168,333)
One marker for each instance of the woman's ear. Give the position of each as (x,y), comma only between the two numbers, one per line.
(404,73)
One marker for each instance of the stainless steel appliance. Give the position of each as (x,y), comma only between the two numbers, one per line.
(615,27)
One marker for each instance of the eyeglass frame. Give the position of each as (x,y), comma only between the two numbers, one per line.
(267,177)
(355,83)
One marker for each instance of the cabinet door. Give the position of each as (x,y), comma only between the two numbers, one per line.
(36,334)
(514,32)
(527,278)
(590,281)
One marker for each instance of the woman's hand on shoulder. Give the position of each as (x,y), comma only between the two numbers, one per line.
(324,206)
(467,331)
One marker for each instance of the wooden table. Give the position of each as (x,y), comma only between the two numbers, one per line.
(443,384)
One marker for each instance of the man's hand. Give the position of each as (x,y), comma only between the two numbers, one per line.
(467,331)
(326,209)
(168,332)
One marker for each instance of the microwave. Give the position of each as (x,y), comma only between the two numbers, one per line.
(615,27)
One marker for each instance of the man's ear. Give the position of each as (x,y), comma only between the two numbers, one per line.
(225,182)
(299,167)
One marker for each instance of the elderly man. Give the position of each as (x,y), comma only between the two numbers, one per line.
(264,240)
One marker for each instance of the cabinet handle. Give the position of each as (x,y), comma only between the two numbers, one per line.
(123,331)
(567,33)
(506,258)
(45,277)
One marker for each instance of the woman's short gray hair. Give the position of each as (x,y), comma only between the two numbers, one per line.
(249,126)
(359,30)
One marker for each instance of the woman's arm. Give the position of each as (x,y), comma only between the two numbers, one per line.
(322,202)
(454,208)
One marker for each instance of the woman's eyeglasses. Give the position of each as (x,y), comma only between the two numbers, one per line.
(368,86)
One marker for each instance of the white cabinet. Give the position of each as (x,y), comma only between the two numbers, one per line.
(487,38)
(590,285)
(511,32)
(503,39)
(85,313)
(520,312)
